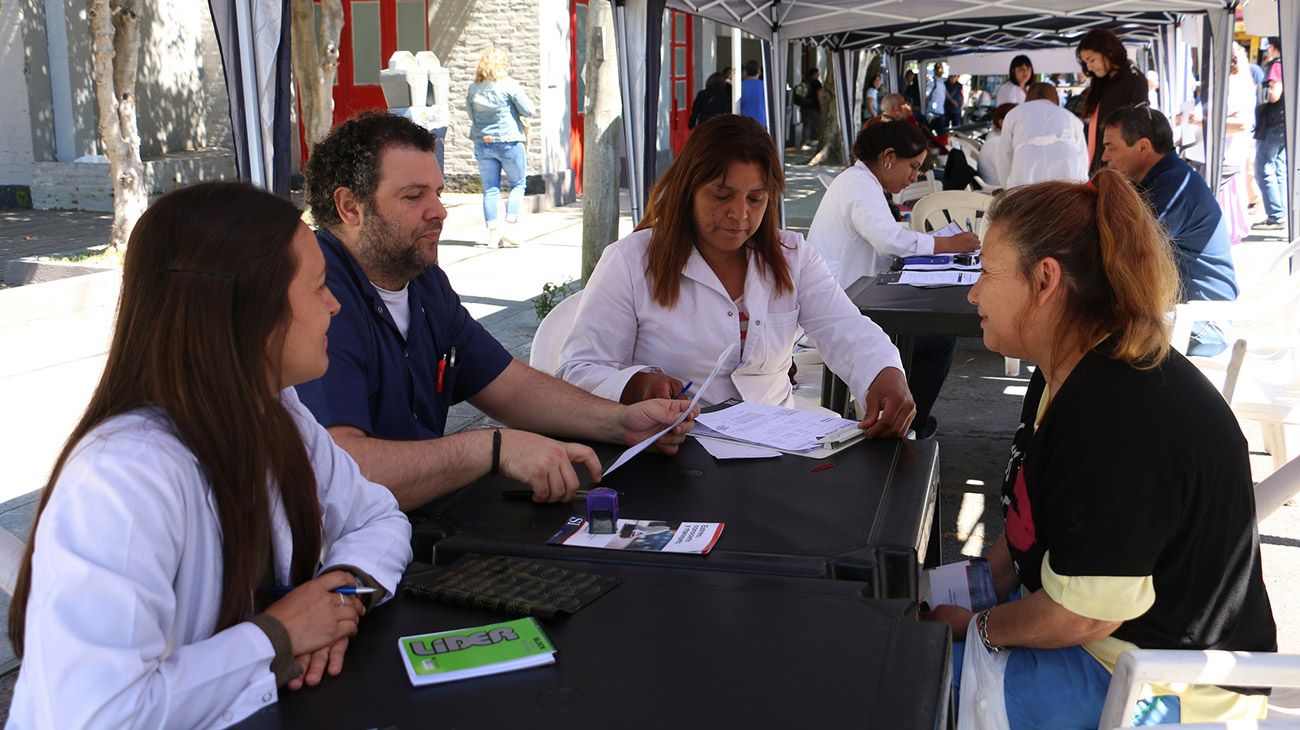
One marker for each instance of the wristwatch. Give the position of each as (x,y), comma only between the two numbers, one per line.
(982,627)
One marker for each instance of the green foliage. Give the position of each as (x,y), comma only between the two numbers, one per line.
(552,294)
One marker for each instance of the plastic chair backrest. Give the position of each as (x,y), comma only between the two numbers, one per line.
(1277,488)
(551,333)
(936,210)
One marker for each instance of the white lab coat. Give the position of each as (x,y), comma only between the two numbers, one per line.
(1041,141)
(1009,93)
(855,231)
(620,330)
(986,165)
(126,579)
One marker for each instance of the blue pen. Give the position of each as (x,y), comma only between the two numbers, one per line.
(341,590)
(685,389)
(914,260)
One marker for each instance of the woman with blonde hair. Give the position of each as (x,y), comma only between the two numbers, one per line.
(200,540)
(497,105)
(708,269)
(1130,516)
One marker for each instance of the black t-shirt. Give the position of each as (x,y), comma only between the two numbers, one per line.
(1143,473)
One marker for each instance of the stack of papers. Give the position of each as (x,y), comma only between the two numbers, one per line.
(774,427)
(937,278)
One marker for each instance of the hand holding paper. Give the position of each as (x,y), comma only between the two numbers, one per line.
(690,409)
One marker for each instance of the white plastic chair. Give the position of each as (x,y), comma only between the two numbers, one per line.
(551,333)
(937,210)
(1267,316)
(927,185)
(1139,667)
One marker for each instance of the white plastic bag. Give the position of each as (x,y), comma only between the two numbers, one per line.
(982,705)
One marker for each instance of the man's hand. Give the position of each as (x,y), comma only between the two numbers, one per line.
(646,385)
(642,420)
(889,406)
(545,465)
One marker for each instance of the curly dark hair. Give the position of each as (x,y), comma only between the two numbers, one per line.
(349,158)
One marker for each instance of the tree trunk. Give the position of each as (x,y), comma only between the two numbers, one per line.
(115,42)
(315,54)
(832,146)
(601,138)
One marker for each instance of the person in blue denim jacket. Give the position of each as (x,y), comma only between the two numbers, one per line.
(497,104)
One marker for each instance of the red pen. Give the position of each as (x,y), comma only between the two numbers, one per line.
(822,467)
(442,368)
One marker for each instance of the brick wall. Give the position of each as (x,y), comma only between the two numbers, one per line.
(459,30)
(15,124)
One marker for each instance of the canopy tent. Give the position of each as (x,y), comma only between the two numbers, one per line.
(1026,22)
(254,40)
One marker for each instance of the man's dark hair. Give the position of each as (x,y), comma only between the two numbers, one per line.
(1275,42)
(1140,120)
(813,72)
(349,158)
(751,68)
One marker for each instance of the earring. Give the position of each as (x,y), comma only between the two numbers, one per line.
(889,165)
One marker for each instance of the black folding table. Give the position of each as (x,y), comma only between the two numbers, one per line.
(665,648)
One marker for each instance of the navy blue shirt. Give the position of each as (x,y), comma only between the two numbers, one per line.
(387,385)
(1192,218)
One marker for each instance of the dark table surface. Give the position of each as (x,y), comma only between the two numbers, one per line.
(689,649)
(910,310)
(867,518)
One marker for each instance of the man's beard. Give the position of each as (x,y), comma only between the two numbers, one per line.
(387,254)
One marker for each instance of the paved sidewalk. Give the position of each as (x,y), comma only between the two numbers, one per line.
(977,409)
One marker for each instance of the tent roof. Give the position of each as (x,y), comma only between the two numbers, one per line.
(805,18)
(982,35)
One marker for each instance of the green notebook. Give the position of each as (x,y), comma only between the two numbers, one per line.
(450,655)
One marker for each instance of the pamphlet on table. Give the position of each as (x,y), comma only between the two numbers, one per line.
(447,656)
(937,278)
(645,535)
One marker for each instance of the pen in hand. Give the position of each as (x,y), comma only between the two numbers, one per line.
(341,590)
(686,389)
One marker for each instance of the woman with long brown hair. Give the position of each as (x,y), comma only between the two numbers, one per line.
(198,527)
(1130,515)
(709,267)
(1114,83)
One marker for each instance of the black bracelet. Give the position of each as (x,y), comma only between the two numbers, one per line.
(496,452)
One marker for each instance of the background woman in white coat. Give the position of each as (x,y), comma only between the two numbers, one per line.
(858,231)
(196,485)
(1041,141)
(1019,76)
(707,268)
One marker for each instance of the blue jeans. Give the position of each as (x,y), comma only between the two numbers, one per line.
(1270,173)
(1063,688)
(1207,340)
(493,159)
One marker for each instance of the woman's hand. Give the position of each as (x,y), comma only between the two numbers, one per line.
(647,385)
(314,617)
(889,406)
(315,664)
(961,243)
(957,618)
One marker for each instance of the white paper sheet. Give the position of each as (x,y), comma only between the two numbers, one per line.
(732,450)
(634,450)
(773,426)
(937,278)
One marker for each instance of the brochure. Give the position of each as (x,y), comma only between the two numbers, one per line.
(968,584)
(646,535)
(476,652)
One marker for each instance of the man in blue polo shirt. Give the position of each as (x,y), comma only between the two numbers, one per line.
(1138,142)
(403,350)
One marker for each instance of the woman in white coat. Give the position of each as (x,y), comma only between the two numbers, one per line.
(1041,141)
(858,231)
(195,530)
(708,268)
(1019,76)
